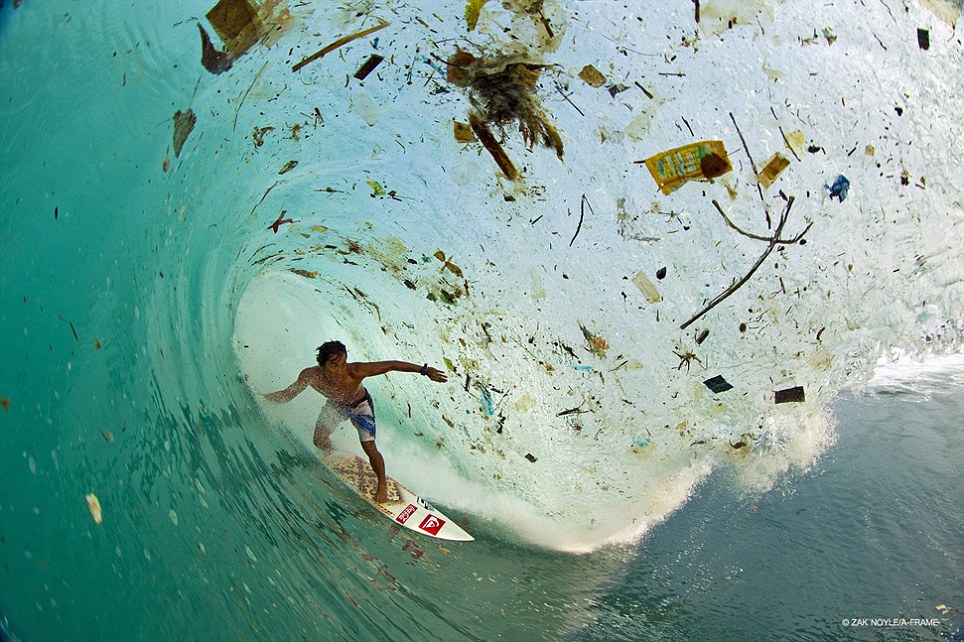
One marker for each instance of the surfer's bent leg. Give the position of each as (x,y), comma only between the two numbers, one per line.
(331,415)
(363,418)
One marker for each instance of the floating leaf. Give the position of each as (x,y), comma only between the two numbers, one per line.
(472,9)
(183,125)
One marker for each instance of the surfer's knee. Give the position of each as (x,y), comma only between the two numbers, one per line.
(321,437)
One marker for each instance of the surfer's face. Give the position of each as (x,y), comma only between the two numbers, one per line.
(336,363)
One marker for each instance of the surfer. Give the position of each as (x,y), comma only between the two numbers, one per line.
(341,383)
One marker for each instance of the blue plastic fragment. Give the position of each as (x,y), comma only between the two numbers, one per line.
(583,368)
(839,188)
(487,402)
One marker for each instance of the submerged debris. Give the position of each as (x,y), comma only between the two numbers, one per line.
(237,25)
(592,76)
(184,122)
(706,159)
(93,504)
(472,9)
(597,345)
(839,188)
(718,384)
(214,60)
(503,91)
(789,395)
(373,61)
(340,43)
(772,170)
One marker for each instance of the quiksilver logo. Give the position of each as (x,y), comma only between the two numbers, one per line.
(405,514)
(432,524)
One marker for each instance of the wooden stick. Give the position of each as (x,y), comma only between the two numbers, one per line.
(736,286)
(756,236)
(339,43)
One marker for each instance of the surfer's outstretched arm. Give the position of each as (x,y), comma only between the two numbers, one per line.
(374,368)
(292,391)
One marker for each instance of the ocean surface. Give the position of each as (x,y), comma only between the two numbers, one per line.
(725,410)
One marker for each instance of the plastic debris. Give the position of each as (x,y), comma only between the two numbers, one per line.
(184,122)
(772,170)
(373,61)
(597,345)
(472,10)
(503,91)
(463,132)
(487,404)
(705,159)
(94,505)
(531,457)
(646,286)
(839,188)
(789,395)
(923,39)
(718,384)
(212,59)
(592,76)
(643,445)
(236,23)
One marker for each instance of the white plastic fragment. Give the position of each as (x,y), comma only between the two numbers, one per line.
(646,286)
(94,505)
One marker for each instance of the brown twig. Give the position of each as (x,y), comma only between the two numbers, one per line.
(341,42)
(757,236)
(753,165)
(774,241)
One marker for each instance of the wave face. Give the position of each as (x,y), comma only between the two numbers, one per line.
(177,241)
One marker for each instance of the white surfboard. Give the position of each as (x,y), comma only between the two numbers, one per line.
(403,507)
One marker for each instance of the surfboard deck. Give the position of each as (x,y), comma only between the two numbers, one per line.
(403,507)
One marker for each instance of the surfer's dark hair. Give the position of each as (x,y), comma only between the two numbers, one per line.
(330,349)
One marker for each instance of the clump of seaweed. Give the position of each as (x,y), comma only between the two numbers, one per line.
(503,91)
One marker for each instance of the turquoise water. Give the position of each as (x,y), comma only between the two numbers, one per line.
(146,303)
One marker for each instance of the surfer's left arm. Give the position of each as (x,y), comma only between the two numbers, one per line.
(374,368)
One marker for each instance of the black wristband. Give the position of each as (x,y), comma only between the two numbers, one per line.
(424,370)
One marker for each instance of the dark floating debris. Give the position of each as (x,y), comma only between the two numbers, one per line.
(184,122)
(789,395)
(373,61)
(661,273)
(531,457)
(503,92)
(213,59)
(923,39)
(718,384)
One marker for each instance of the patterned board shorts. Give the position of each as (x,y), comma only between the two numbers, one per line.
(362,416)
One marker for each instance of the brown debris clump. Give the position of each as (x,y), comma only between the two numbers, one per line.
(503,91)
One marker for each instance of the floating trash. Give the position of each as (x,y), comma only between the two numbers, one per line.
(718,384)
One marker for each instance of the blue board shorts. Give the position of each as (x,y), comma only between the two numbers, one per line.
(361,415)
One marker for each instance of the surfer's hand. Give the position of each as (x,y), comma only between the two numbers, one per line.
(436,375)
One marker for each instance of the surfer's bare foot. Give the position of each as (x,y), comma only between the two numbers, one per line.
(382,495)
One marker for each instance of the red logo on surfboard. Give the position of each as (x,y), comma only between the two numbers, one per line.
(432,524)
(405,514)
